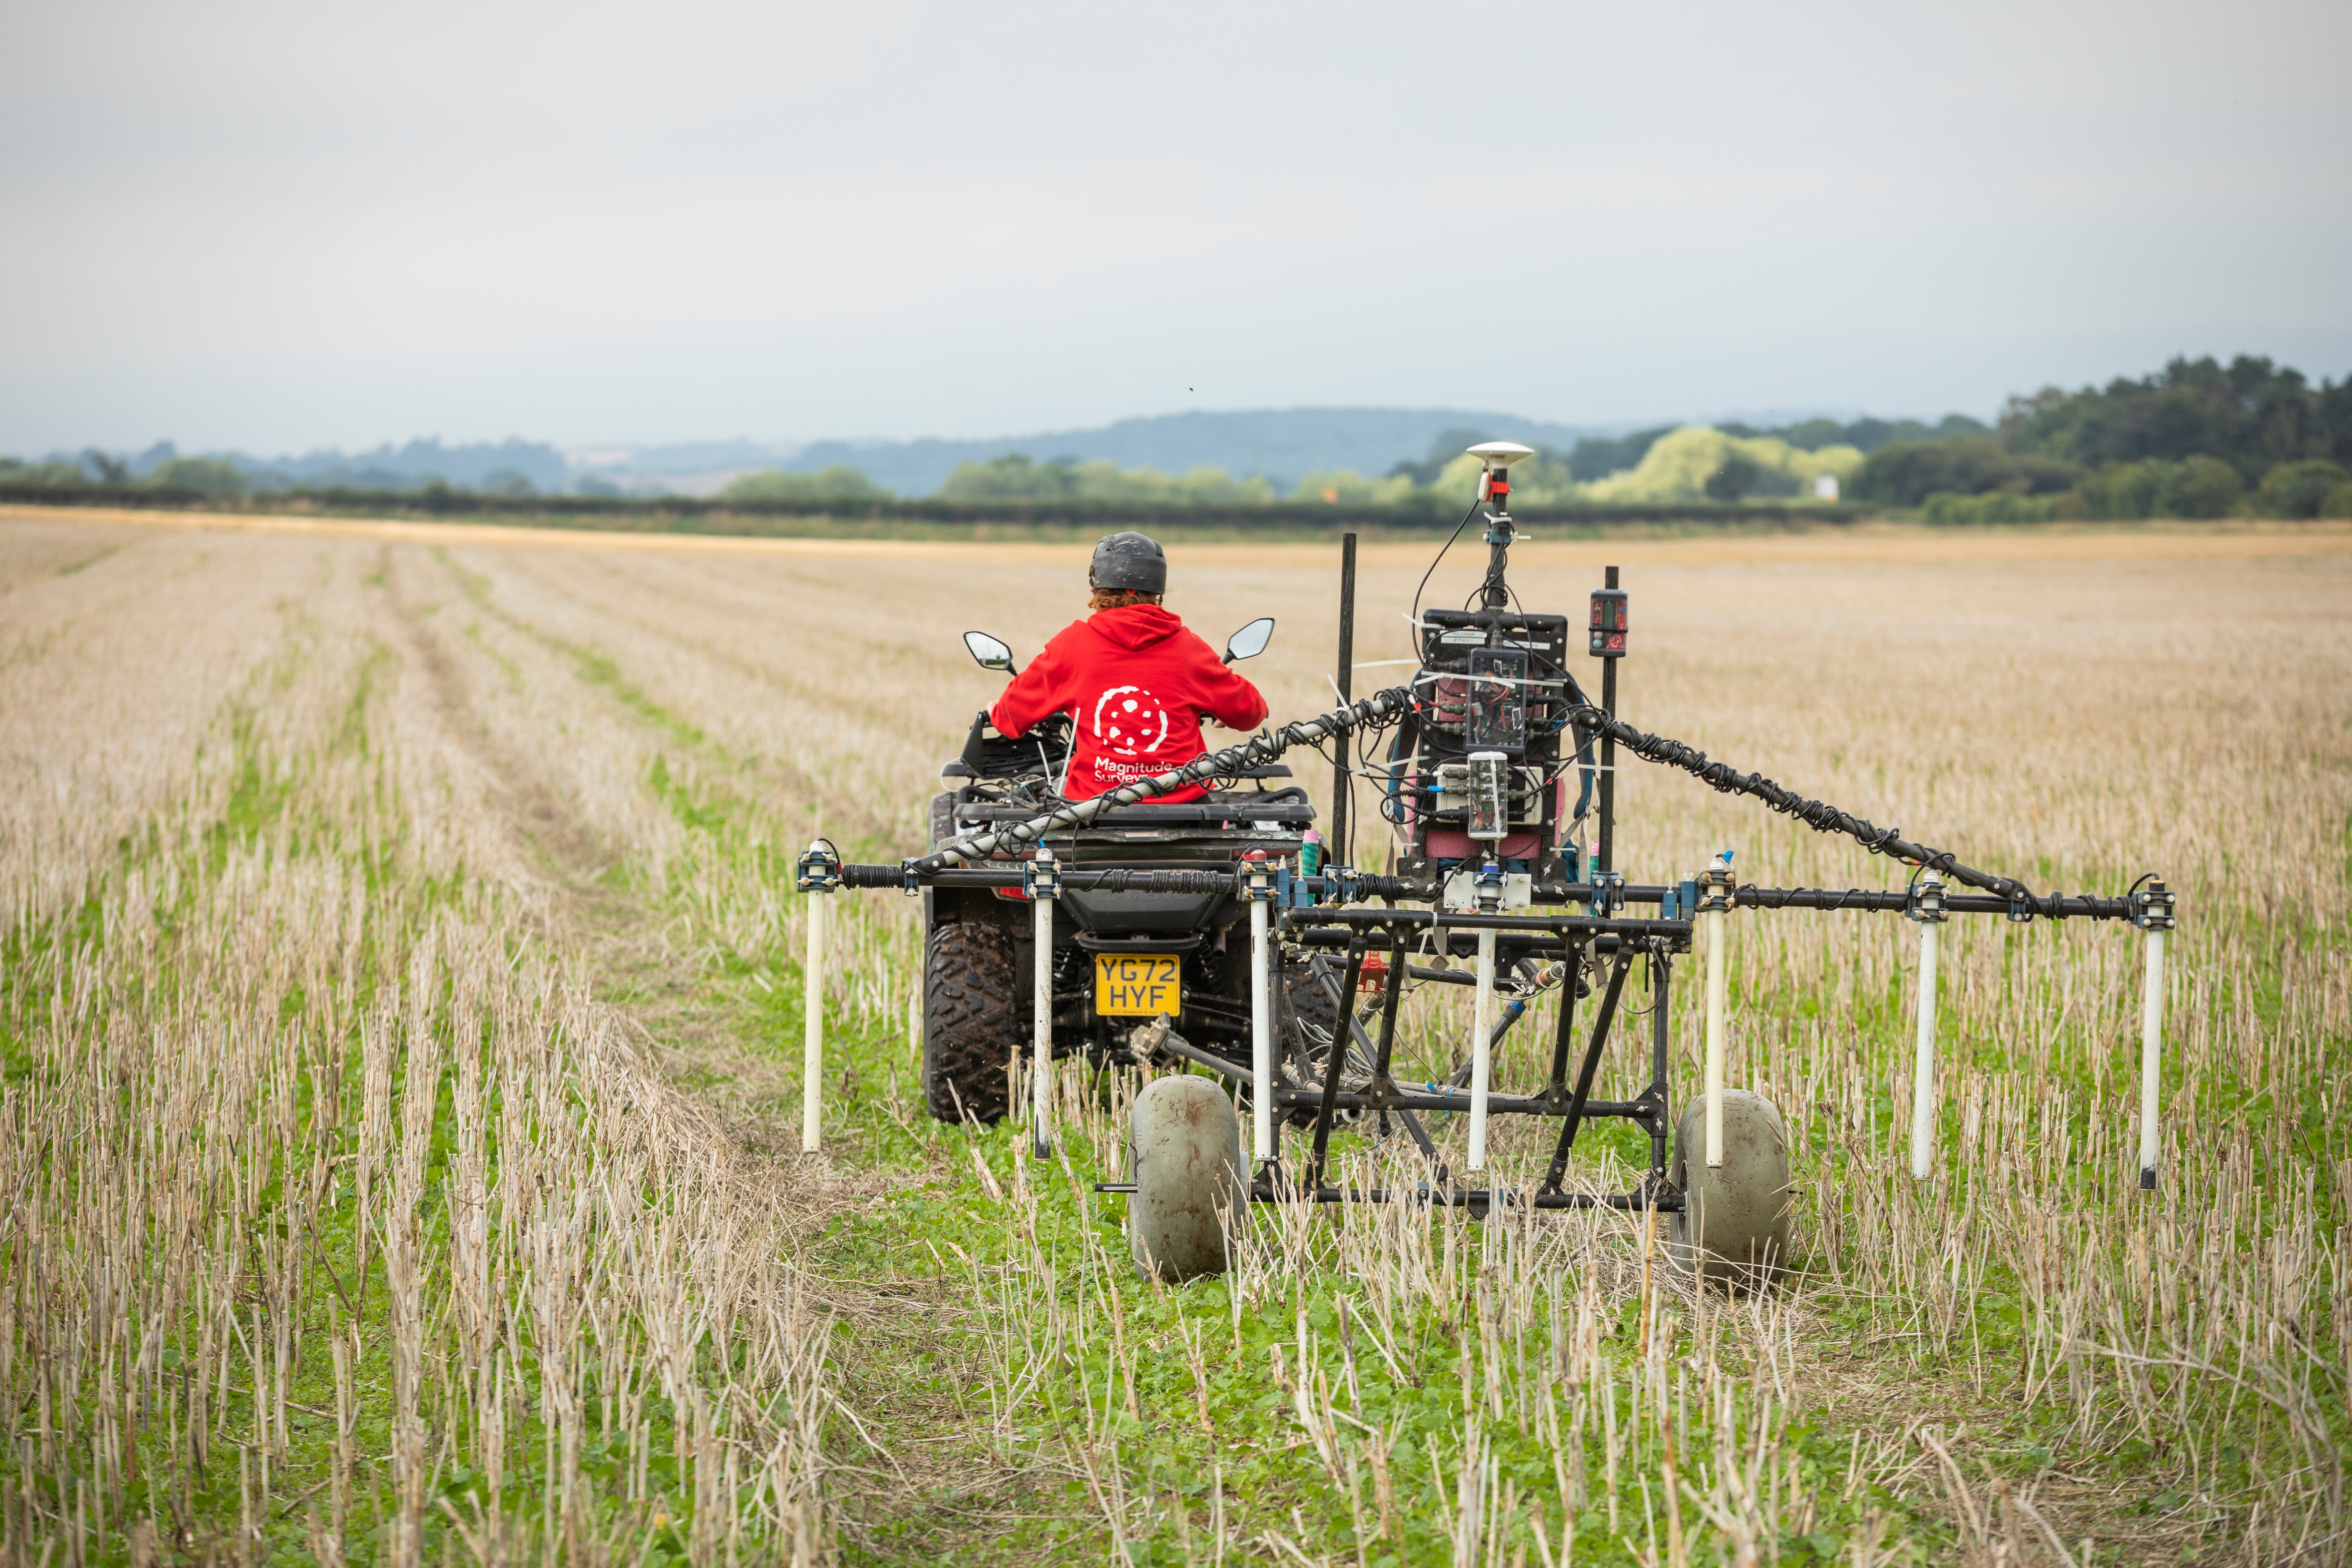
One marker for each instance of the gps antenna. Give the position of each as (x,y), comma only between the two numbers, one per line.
(1495,490)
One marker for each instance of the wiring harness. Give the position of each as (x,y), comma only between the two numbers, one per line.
(1819,815)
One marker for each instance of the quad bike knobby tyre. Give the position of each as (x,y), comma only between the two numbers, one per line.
(1310,1021)
(1734,1229)
(973,1019)
(1184,1154)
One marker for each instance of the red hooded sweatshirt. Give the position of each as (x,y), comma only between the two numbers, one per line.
(1137,683)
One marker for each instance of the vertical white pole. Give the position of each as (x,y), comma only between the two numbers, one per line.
(1261,1039)
(813,1039)
(1482,1024)
(2151,1057)
(1041,1069)
(1719,989)
(1923,1073)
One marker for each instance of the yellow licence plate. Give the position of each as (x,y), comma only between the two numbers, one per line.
(1138,985)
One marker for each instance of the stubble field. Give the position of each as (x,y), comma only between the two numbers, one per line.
(400,1010)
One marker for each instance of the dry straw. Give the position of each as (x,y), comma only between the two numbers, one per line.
(341,1215)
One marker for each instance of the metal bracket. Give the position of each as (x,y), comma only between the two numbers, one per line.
(1927,900)
(1040,877)
(819,870)
(910,881)
(1609,893)
(1258,884)
(2021,904)
(1649,1111)
(2152,907)
(1711,890)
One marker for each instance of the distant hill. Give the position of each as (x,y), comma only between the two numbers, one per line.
(479,465)
(1283,444)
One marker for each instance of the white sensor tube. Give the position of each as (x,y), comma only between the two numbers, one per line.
(1923,1073)
(1041,1070)
(1718,985)
(813,1038)
(1482,1054)
(1261,1039)
(2151,1057)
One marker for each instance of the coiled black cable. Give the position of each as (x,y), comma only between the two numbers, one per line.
(1819,815)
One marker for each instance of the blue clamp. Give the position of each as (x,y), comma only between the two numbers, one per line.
(1609,893)
(819,870)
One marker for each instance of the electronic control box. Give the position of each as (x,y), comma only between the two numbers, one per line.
(1490,681)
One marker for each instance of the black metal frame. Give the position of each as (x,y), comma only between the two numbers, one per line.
(1614,944)
(1312,915)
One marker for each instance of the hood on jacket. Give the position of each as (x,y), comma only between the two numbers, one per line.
(1135,626)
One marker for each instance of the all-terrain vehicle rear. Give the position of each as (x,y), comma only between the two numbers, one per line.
(1122,958)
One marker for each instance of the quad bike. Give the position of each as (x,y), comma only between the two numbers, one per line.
(1120,959)
(1210,934)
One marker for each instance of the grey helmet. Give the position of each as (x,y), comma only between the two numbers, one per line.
(1129,562)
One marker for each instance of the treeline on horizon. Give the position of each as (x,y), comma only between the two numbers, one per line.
(2195,440)
(1670,465)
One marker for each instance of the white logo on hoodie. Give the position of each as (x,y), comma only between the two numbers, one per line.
(1129,721)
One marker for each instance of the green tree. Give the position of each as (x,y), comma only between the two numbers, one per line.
(839,483)
(1012,477)
(1905,473)
(2251,414)
(1699,462)
(206,475)
(1594,459)
(1016,476)
(54,473)
(2300,489)
(1735,477)
(2207,487)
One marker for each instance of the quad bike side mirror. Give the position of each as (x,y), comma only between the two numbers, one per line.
(990,653)
(1250,641)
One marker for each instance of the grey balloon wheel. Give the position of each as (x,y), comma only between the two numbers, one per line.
(1735,1228)
(1184,1150)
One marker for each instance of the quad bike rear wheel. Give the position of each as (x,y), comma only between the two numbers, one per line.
(973,1019)
(1735,1228)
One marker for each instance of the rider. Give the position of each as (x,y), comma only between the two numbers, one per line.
(1134,680)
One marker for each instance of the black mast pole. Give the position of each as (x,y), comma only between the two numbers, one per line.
(1605,849)
(1340,789)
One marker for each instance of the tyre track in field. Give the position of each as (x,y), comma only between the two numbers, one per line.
(923,1486)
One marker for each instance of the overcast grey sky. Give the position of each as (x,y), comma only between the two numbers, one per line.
(274,226)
